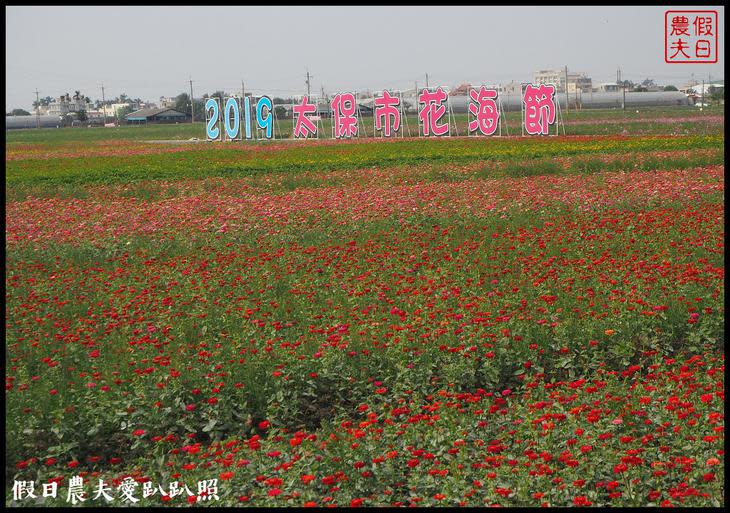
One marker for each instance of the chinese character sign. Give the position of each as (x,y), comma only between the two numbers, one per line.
(303,125)
(344,116)
(387,114)
(690,36)
(483,107)
(236,119)
(539,108)
(432,111)
(126,492)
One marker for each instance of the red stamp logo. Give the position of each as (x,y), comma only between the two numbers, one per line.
(690,36)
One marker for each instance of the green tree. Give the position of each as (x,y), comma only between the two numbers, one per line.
(670,88)
(42,102)
(716,94)
(279,111)
(182,103)
(19,112)
(82,115)
(121,113)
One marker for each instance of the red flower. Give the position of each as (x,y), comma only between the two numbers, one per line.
(581,500)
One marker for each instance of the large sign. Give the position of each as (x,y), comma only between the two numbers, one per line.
(233,119)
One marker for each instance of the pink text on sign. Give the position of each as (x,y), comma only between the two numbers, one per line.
(484,108)
(344,117)
(539,108)
(432,111)
(387,114)
(304,126)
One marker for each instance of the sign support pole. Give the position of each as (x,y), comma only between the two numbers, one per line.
(403,116)
(451,115)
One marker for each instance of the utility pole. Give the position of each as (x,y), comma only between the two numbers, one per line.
(415,96)
(192,104)
(426,80)
(37,110)
(243,91)
(103,103)
(623,88)
(309,77)
(566,89)
(322,91)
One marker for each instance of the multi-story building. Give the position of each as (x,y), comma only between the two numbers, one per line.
(66,104)
(557,77)
(554,77)
(579,82)
(167,102)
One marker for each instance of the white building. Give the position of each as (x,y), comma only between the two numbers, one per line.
(167,102)
(557,77)
(608,87)
(579,82)
(66,104)
(554,77)
(698,89)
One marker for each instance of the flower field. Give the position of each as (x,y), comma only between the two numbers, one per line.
(512,321)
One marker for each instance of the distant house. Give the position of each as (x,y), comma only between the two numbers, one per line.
(511,88)
(65,104)
(461,90)
(163,115)
(167,101)
(561,79)
(608,87)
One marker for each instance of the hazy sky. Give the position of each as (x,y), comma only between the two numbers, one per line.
(147,52)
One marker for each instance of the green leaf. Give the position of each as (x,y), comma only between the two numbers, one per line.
(210,425)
